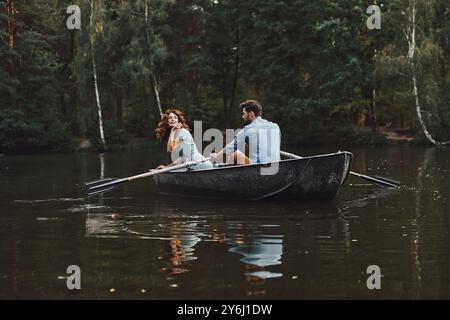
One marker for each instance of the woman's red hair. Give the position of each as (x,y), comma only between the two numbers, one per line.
(163,128)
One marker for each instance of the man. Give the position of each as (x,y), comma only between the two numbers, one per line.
(262,137)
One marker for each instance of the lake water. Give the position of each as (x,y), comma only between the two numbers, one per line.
(133,243)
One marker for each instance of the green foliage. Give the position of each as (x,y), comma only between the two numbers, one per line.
(140,122)
(114,135)
(350,136)
(18,133)
(314,65)
(30,114)
(431,65)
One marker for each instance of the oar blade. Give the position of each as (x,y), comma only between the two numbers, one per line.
(100,191)
(105,187)
(98,182)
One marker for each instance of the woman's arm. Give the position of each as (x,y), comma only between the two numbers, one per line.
(177,161)
(178,149)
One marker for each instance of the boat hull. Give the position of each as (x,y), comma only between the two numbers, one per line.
(309,178)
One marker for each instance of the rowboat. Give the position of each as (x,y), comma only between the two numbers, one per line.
(316,177)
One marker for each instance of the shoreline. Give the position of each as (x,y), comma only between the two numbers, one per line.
(80,145)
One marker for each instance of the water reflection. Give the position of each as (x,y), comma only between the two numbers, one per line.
(415,223)
(261,253)
(257,241)
(182,245)
(132,239)
(102,165)
(104,225)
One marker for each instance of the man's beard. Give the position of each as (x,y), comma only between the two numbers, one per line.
(247,122)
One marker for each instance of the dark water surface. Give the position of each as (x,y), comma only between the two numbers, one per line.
(132,243)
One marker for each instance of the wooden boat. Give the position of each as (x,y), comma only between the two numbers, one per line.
(309,178)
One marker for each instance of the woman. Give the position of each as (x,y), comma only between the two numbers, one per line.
(173,130)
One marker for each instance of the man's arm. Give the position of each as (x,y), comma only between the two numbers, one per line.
(238,141)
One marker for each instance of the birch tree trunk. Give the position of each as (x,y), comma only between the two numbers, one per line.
(374,110)
(94,68)
(152,76)
(156,93)
(410,33)
(236,67)
(10,8)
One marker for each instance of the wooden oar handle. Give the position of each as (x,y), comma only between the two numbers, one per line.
(167,169)
(290,155)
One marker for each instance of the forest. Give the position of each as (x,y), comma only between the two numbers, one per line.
(317,68)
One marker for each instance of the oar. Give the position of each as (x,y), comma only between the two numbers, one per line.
(380,181)
(108,184)
(397,183)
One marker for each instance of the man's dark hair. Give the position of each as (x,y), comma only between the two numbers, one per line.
(252,105)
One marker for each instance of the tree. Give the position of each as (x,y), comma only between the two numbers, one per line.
(95,30)
(314,65)
(421,56)
(30,114)
(11,12)
(223,39)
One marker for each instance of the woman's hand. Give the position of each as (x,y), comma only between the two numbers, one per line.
(177,126)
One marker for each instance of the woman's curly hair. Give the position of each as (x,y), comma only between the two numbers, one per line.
(163,128)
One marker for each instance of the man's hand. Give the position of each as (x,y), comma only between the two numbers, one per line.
(160,167)
(217,156)
(214,156)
